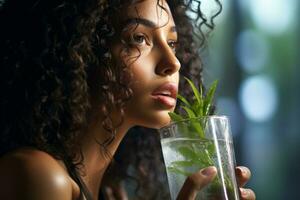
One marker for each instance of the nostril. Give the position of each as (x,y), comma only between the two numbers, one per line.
(168,71)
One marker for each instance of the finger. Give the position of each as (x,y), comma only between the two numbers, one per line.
(243,174)
(195,182)
(120,193)
(108,193)
(116,192)
(247,194)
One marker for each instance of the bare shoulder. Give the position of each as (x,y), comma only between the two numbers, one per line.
(33,174)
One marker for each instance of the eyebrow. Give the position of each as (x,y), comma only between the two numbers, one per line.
(145,22)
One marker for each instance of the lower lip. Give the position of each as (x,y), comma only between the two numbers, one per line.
(167,101)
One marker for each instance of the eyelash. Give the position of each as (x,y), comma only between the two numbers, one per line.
(173,44)
(135,37)
(139,36)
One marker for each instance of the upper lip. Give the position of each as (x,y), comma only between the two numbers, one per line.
(167,89)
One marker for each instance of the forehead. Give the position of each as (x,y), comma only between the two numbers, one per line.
(157,11)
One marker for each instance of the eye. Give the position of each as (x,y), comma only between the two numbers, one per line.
(138,39)
(173,44)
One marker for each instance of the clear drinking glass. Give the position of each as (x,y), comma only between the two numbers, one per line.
(193,144)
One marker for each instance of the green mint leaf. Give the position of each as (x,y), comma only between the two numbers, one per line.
(175,117)
(176,170)
(181,98)
(209,97)
(189,111)
(195,91)
(188,153)
(182,163)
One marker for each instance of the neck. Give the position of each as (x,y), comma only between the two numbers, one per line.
(96,157)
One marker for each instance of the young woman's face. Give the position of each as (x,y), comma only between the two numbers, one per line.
(151,34)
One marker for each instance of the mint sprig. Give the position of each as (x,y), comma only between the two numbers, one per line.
(200,106)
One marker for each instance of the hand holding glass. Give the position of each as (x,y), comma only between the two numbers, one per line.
(193,144)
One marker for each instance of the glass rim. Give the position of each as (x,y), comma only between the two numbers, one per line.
(187,119)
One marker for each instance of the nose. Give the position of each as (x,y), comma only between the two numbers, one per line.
(168,63)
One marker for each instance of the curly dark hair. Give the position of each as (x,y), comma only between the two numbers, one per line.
(49,53)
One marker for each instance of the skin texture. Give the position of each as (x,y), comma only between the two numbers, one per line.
(33,174)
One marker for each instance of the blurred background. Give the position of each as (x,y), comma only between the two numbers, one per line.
(254,52)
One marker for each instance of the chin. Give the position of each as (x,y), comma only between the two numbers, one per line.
(158,121)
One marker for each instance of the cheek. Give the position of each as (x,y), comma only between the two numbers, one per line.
(142,72)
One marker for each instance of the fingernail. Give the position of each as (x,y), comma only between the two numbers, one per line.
(209,171)
(244,192)
(239,171)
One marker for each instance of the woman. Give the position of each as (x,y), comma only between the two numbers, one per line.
(75,77)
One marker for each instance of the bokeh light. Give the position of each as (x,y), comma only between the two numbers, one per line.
(258,97)
(252,51)
(273,16)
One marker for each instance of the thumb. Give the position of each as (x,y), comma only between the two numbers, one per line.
(196,182)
